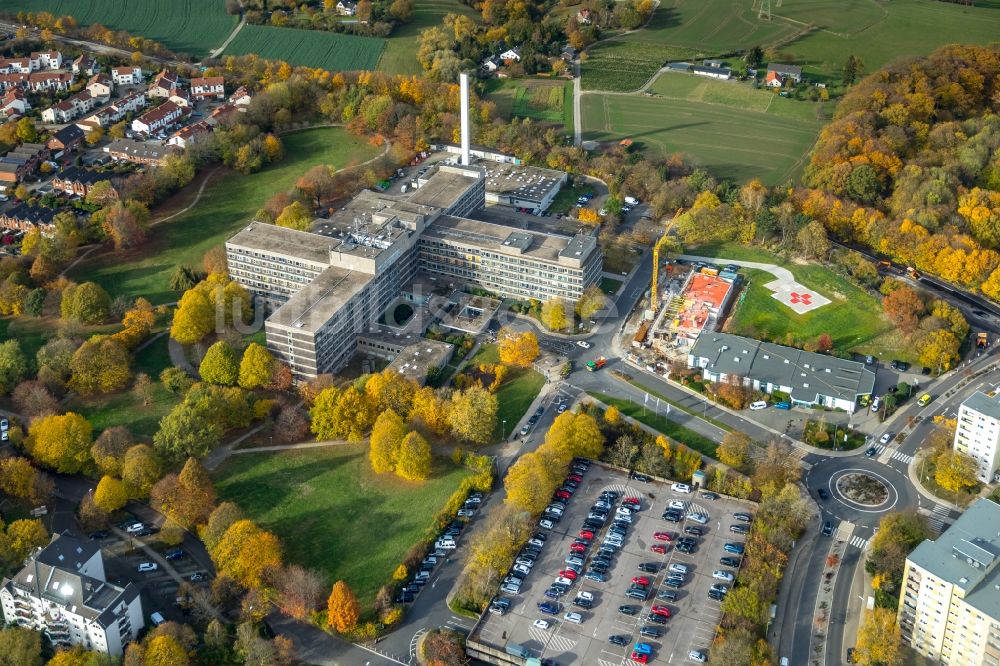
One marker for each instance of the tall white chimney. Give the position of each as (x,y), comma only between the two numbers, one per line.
(463,79)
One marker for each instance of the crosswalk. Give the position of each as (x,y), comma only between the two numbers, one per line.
(885,455)
(859,542)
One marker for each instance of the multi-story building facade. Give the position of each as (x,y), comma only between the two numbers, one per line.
(62,592)
(977,433)
(949,609)
(325,288)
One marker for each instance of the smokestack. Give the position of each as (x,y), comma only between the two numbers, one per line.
(463,79)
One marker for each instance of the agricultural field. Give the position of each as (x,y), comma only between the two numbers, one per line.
(547,100)
(398,56)
(732,143)
(185,26)
(334,514)
(311,48)
(624,65)
(735,94)
(228,202)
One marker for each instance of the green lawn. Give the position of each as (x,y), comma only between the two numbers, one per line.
(333,514)
(124,408)
(853,319)
(731,143)
(517,392)
(546,100)
(737,95)
(33,332)
(401,47)
(662,424)
(225,206)
(310,48)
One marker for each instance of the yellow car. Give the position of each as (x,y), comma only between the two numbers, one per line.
(924,400)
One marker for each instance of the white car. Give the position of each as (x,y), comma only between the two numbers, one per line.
(562,408)
(562,580)
(536,542)
(521,568)
(722,575)
(699,518)
(680,488)
(583,343)
(546,523)
(575,618)
(541,624)
(466,513)
(697,655)
(760,404)
(148,566)
(677,504)
(589,596)
(886,438)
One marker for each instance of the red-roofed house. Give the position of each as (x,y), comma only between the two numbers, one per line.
(42,81)
(159,118)
(15,103)
(210,87)
(126,76)
(46,60)
(164,85)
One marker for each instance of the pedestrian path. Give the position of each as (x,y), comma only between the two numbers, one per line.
(858,542)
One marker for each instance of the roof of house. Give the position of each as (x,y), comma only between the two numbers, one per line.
(191,130)
(208,81)
(792,70)
(347,4)
(966,555)
(701,69)
(101,78)
(142,149)
(31,214)
(68,135)
(773,76)
(126,70)
(159,113)
(84,176)
(808,374)
(984,404)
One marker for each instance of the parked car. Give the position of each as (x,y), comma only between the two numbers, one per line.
(760,404)
(148,566)
(626,609)
(618,639)
(729,561)
(719,574)
(541,624)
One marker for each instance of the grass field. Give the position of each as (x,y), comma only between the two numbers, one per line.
(854,318)
(624,65)
(226,206)
(400,47)
(186,26)
(333,514)
(312,48)
(516,393)
(659,423)
(546,100)
(737,95)
(730,142)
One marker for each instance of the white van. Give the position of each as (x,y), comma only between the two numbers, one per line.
(680,488)
(676,567)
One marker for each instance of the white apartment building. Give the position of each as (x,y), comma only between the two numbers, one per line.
(949,609)
(126,76)
(978,433)
(62,592)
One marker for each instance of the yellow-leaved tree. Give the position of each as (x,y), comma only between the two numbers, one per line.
(878,639)
(342,608)
(414,460)
(517,348)
(387,435)
(955,471)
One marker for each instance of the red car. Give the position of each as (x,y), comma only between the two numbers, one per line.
(640,658)
(631,500)
(663,536)
(568,573)
(586,534)
(660,610)
(574,477)
(658,548)
(641,580)
(578,548)
(563,494)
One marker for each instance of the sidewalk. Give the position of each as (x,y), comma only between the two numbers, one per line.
(911,471)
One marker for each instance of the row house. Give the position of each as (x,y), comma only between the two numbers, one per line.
(13,81)
(46,60)
(22,162)
(138,152)
(47,81)
(164,85)
(23,217)
(210,87)
(189,134)
(157,119)
(15,66)
(15,103)
(69,108)
(116,112)
(67,139)
(127,76)
(181,97)
(100,87)
(80,181)
(85,65)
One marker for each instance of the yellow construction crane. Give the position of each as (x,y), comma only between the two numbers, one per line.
(661,243)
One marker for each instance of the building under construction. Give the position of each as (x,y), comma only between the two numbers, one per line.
(692,304)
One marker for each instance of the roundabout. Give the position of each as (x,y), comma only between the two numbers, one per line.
(861,490)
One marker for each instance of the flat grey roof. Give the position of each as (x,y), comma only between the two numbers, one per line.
(444,187)
(547,247)
(414,361)
(523,182)
(983,404)
(312,306)
(290,242)
(965,555)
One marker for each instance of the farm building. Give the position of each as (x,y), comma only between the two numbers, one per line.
(722,73)
(783,72)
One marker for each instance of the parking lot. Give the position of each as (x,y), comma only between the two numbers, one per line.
(693,615)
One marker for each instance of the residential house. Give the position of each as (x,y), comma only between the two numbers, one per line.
(491,64)
(127,76)
(241,98)
(14,104)
(66,140)
(511,55)
(62,592)
(584,17)
(347,7)
(23,217)
(46,60)
(139,152)
(118,111)
(977,433)
(809,379)
(100,87)
(15,66)
(164,85)
(773,80)
(13,81)
(157,119)
(222,111)
(189,134)
(211,87)
(49,81)
(568,53)
(792,72)
(74,180)
(181,97)
(69,108)
(85,65)
(22,161)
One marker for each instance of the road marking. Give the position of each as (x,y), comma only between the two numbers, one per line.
(937,519)
(859,542)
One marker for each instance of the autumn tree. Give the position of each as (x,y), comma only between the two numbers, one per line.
(14,365)
(247,553)
(300,591)
(612,416)
(111,494)
(295,216)
(100,365)
(517,348)
(86,303)
(734,449)
(386,437)
(414,460)
(573,434)
(812,241)
(342,608)
(164,650)
(61,442)
(898,534)
(318,183)
(531,480)
(591,301)
(955,471)
(125,223)
(18,478)
(188,430)
(109,449)
(430,410)
(878,641)
(188,498)
(255,367)
(21,646)
(903,307)
(473,415)
(219,365)
(193,319)
(390,390)
(938,349)
(554,314)
(141,467)
(220,520)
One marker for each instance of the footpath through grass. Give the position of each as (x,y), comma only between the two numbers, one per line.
(674,431)
(517,392)
(333,514)
(226,205)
